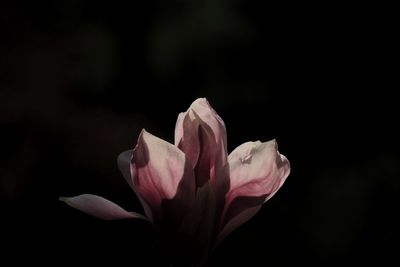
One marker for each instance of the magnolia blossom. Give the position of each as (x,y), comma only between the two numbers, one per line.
(192,191)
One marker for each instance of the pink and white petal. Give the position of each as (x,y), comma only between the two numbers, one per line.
(100,207)
(179,127)
(124,165)
(159,169)
(200,113)
(257,169)
(284,166)
(200,133)
(213,144)
(210,117)
(187,139)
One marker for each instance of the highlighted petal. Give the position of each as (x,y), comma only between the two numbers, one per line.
(208,115)
(200,133)
(257,171)
(199,113)
(160,171)
(100,207)
(179,127)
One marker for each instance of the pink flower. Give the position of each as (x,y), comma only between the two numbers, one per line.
(193,192)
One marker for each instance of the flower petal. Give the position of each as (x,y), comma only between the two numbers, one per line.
(200,133)
(200,112)
(257,171)
(208,115)
(187,136)
(179,127)
(124,165)
(161,172)
(100,207)
(199,223)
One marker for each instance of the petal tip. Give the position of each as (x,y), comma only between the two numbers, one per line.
(274,142)
(144,134)
(143,131)
(202,101)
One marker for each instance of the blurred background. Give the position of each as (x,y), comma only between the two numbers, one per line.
(80,79)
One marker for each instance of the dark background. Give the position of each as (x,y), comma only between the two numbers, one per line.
(80,79)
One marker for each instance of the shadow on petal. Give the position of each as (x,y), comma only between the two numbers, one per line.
(240,204)
(175,209)
(240,210)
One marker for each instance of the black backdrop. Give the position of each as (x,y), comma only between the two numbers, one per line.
(80,79)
